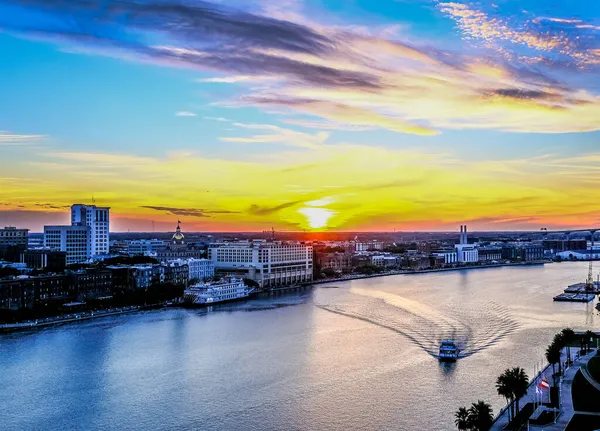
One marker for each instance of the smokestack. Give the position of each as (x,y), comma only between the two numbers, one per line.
(466,240)
(460,239)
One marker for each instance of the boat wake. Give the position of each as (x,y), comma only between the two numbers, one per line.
(473,329)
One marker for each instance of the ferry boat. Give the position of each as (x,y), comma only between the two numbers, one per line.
(226,289)
(448,351)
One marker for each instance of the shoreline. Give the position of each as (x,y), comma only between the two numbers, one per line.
(87,315)
(6,328)
(422,271)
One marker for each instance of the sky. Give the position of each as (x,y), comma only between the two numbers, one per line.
(334,115)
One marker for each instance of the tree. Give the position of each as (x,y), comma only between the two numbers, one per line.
(462,419)
(480,416)
(568,337)
(520,384)
(329,272)
(559,341)
(588,338)
(553,356)
(505,389)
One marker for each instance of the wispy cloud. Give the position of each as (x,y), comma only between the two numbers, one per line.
(278,135)
(349,77)
(234,79)
(185,114)
(190,212)
(12,139)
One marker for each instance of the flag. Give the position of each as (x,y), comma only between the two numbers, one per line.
(544,384)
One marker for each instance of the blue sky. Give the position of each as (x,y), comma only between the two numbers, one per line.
(241,86)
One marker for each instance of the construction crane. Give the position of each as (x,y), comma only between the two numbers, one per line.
(589,284)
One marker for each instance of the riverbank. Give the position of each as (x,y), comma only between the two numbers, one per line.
(422,271)
(74,317)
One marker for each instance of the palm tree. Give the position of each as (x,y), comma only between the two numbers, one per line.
(505,389)
(568,337)
(480,416)
(462,419)
(559,341)
(553,356)
(520,384)
(589,337)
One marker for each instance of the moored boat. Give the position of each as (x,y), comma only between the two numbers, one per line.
(226,289)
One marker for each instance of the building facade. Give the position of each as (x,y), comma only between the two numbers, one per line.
(144,246)
(199,269)
(450,256)
(13,236)
(51,260)
(74,240)
(98,220)
(489,254)
(269,263)
(465,252)
(177,248)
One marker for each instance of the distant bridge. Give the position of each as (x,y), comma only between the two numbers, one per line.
(568,232)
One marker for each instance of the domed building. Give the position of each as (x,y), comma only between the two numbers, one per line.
(177,248)
(178,237)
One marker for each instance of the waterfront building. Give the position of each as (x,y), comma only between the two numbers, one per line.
(558,245)
(199,269)
(450,256)
(466,253)
(29,292)
(74,240)
(177,248)
(530,252)
(489,254)
(385,260)
(91,284)
(336,261)
(98,219)
(51,260)
(269,263)
(176,273)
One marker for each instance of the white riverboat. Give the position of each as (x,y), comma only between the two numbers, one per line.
(226,289)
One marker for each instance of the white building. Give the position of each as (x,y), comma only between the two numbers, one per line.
(268,263)
(200,269)
(97,218)
(466,253)
(74,240)
(450,256)
(144,246)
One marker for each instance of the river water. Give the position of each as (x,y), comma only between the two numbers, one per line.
(344,356)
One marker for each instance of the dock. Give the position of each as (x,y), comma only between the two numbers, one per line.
(582,288)
(575,297)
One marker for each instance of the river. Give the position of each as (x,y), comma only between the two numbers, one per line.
(345,356)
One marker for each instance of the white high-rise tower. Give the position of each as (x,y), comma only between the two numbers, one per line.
(98,219)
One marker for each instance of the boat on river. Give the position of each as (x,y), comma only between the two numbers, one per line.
(448,351)
(226,289)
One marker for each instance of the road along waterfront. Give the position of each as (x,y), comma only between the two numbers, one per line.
(349,355)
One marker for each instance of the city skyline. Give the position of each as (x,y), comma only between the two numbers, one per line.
(305,115)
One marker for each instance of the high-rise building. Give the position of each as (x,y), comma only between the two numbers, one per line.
(98,219)
(87,236)
(74,240)
(269,263)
